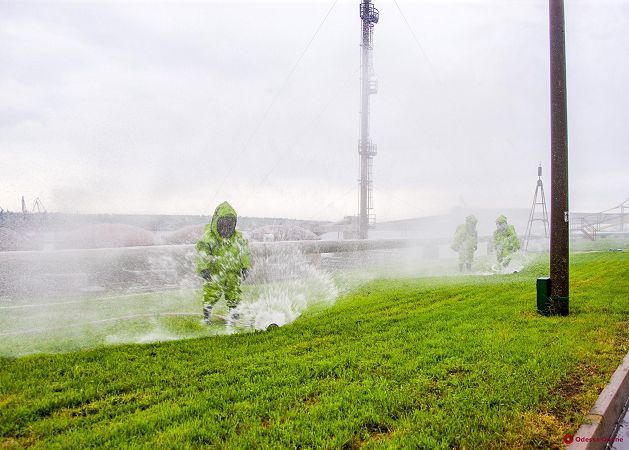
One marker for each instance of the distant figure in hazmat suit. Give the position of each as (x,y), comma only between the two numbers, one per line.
(223,260)
(506,241)
(465,242)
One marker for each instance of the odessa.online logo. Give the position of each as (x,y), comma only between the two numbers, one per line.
(568,439)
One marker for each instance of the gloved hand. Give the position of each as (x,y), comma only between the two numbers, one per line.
(205,274)
(244,273)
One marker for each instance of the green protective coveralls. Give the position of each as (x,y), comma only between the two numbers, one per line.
(465,242)
(506,240)
(222,261)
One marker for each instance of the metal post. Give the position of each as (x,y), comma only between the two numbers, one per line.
(559,227)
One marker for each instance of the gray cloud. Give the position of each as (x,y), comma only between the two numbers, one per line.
(157,107)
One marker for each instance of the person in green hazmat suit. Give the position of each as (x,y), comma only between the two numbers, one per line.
(465,242)
(223,260)
(506,241)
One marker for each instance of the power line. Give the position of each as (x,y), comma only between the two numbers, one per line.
(317,118)
(410,29)
(431,67)
(410,118)
(271,105)
(343,195)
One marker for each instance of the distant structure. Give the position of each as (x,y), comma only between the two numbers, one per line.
(38,206)
(611,222)
(366,149)
(282,232)
(106,235)
(539,192)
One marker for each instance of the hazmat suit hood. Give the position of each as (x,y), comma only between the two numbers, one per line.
(501,219)
(224,221)
(501,222)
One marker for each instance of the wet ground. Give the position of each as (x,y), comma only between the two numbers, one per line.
(623,432)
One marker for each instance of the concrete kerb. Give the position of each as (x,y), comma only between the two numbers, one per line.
(595,433)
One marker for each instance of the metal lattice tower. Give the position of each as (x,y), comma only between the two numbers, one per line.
(366,149)
(539,191)
(38,206)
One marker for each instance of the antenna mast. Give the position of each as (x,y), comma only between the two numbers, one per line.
(538,200)
(366,149)
(38,206)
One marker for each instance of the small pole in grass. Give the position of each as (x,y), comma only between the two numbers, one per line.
(552,293)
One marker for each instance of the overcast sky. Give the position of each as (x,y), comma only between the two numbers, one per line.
(171,107)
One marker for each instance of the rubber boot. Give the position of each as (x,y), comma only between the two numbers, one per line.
(207,313)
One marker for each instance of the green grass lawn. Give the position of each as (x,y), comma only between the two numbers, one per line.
(411,363)
(605,243)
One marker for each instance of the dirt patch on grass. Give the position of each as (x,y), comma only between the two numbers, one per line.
(13,443)
(6,400)
(9,443)
(371,432)
(572,384)
(310,401)
(571,400)
(574,392)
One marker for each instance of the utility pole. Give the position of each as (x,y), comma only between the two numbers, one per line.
(557,302)
(366,149)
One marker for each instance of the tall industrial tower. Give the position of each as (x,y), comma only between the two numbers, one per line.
(366,149)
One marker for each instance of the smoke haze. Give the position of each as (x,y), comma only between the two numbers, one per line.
(137,107)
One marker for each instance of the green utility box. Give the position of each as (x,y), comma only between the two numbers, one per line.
(544,302)
(546,305)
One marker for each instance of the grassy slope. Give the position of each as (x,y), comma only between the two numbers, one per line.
(459,362)
(82,334)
